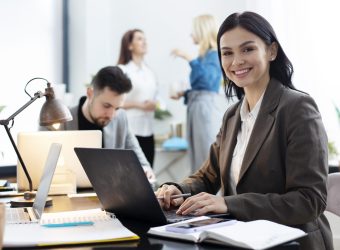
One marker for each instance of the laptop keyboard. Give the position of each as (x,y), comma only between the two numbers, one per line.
(17,215)
(172,217)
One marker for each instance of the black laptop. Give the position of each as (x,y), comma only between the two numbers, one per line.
(122,186)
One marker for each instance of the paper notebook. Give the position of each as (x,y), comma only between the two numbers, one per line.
(92,215)
(258,234)
(105,228)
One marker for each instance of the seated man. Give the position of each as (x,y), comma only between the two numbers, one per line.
(101,110)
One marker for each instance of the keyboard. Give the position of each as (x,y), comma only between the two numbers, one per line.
(172,217)
(17,216)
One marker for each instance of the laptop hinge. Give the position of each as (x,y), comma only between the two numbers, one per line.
(112,215)
(34,216)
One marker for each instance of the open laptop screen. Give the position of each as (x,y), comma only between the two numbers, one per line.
(34,146)
(46,179)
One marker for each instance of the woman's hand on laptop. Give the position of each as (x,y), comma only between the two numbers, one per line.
(203,203)
(164,194)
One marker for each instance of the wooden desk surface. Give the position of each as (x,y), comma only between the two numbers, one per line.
(63,203)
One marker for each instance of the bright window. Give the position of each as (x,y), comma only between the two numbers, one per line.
(30,46)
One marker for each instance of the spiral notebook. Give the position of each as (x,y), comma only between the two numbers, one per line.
(104,228)
(89,215)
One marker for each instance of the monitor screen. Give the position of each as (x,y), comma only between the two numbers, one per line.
(34,146)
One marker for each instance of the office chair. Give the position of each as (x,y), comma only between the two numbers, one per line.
(333,193)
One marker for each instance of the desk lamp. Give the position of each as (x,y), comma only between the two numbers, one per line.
(52,112)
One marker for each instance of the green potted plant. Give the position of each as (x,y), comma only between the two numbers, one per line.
(160,113)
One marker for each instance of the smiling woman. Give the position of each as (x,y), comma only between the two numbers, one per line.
(270,157)
(245,60)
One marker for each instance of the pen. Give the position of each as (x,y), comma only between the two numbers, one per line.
(70,224)
(176,196)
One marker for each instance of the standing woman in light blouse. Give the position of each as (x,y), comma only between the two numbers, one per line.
(203,114)
(270,156)
(140,102)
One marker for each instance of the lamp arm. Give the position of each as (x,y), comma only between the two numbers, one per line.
(19,158)
(5,124)
(36,96)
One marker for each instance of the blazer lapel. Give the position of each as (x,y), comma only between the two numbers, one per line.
(233,125)
(263,124)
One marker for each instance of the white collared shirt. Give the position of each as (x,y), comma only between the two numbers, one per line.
(247,123)
(144,88)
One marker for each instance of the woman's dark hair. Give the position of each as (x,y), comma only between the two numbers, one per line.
(281,68)
(125,55)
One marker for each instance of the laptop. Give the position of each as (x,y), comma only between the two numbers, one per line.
(122,186)
(33,214)
(68,163)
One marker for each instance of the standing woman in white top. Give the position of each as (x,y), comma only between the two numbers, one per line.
(140,103)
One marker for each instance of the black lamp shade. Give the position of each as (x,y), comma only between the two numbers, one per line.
(53,111)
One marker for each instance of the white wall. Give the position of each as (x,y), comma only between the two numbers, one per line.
(309,33)
(97,28)
(30,46)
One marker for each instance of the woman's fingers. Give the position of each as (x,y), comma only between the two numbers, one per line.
(177,202)
(192,204)
(203,203)
(164,193)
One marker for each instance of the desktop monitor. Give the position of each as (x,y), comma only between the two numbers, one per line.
(33,147)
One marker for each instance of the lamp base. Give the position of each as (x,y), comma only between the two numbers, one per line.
(28,200)
(21,202)
(29,195)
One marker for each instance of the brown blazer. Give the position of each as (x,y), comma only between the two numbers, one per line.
(284,170)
